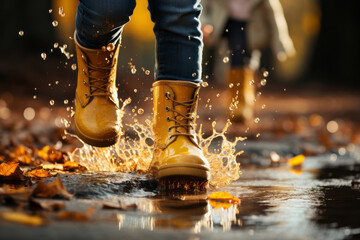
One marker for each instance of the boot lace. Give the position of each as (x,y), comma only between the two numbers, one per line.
(98,85)
(179,117)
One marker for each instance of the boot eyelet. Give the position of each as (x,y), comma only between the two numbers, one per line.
(169,129)
(168,119)
(84,81)
(167,95)
(86,95)
(167,108)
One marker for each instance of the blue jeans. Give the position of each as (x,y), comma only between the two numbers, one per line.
(177,32)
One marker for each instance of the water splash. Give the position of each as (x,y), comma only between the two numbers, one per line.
(134,154)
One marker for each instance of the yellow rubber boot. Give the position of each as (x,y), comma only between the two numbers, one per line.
(242,94)
(178,160)
(97,115)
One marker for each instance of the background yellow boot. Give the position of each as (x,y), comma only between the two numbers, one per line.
(178,160)
(242,94)
(97,115)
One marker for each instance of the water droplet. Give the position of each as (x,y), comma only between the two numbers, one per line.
(231,85)
(263,106)
(110,47)
(258,135)
(252,82)
(21,33)
(73,66)
(56,45)
(257,120)
(133,70)
(226,59)
(204,84)
(147,72)
(52,102)
(140,111)
(193,75)
(258,94)
(43,56)
(61,11)
(55,23)
(265,73)
(135,90)
(218,95)
(263,82)
(29,113)
(66,101)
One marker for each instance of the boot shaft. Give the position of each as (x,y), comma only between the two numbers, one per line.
(96,73)
(175,105)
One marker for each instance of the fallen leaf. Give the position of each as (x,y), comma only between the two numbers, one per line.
(72,215)
(223,196)
(38,173)
(50,154)
(17,197)
(51,190)
(11,171)
(22,154)
(296,161)
(23,218)
(72,166)
(46,204)
(217,204)
(76,216)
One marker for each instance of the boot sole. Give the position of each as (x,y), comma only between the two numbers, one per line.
(96,142)
(179,177)
(183,184)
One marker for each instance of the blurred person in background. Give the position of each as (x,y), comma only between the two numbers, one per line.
(248,26)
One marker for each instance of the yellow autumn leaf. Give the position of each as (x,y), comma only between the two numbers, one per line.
(23,218)
(296,161)
(224,197)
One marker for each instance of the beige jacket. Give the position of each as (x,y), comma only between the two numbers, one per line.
(267,26)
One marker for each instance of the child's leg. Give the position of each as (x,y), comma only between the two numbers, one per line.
(100,22)
(178,158)
(178,39)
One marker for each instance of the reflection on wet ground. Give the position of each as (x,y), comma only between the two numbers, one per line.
(319,201)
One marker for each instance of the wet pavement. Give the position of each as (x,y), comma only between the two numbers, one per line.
(321,200)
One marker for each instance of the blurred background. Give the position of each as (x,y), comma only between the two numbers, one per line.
(37,56)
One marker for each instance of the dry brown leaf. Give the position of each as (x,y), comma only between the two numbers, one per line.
(38,173)
(46,204)
(51,190)
(73,166)
(11,171)
(18,197)
(50,154)
(23,218)
(224,197)
(23,155)
(76,216)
